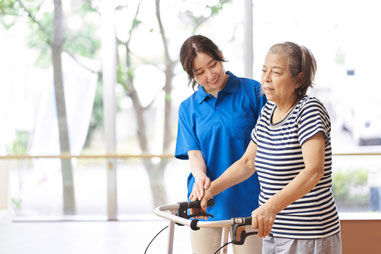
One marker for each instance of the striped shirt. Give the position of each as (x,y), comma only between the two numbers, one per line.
(279,160)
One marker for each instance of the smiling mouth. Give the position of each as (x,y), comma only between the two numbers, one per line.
(214,82)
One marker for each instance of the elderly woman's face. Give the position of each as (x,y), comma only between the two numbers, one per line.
(277,82)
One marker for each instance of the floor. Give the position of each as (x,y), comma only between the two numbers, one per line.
(96,237)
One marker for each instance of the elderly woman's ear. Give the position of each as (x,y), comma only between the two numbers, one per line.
(299,79)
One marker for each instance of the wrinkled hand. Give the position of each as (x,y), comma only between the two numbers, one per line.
(192,197)
(204,201)
(263,220)
(201,183)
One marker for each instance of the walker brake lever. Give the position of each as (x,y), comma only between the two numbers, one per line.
(184,206)
(239,231)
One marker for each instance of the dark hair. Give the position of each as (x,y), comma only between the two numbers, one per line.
(189,50)
(300,60)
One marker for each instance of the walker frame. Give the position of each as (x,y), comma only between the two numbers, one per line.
(178,214)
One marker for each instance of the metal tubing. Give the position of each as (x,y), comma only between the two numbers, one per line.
(171,236)
(225,237)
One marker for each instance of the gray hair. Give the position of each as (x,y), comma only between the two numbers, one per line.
(300,60)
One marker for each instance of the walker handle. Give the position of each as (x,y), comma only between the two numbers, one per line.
(242,220)
(184,206)
(196,204)
(239,230)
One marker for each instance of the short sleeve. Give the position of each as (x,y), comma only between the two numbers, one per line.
(254,135)
(312,119)
(186,134)
(254,131)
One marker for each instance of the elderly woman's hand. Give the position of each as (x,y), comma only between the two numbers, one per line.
(192,197)
(201,183)
(263,219)
(207,196)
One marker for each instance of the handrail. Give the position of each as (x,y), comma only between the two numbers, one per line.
(90,156)
(356,154)
(131,156)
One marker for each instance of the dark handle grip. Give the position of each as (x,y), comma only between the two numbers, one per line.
(243,220)
(248,220)
(197,203)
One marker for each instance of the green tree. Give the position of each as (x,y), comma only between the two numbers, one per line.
(48,33)
(126,77)
(85,43)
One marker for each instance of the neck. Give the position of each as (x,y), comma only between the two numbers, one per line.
(284,108)
(214,93)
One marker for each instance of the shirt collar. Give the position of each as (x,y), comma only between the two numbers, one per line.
(230,87)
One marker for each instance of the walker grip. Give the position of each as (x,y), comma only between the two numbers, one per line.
(197,203)
(184,206)
(243,220)
(239,230)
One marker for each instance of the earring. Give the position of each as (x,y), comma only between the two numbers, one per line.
(298,91)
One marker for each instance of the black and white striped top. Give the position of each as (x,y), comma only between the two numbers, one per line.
(279,160)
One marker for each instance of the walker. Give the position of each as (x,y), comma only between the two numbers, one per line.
(178,214)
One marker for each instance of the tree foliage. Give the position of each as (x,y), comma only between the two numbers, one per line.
(48,34)
(83,41)
(37,15)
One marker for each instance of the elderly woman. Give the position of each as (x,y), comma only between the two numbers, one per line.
(290,149)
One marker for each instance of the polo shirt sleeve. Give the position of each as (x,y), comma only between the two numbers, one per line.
(313,118)
(186,134)
(260,98)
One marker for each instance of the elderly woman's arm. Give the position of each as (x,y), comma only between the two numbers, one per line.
(236,173)
(313,155)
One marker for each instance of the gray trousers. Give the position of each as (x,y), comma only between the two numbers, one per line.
(278,245)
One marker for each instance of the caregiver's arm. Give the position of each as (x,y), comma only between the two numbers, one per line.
(313,155)
(236,173)
(198,169)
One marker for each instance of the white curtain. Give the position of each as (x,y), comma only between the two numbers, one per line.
(46,181)
(79,86)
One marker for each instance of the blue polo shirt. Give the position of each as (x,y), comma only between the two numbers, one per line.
(220,127)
